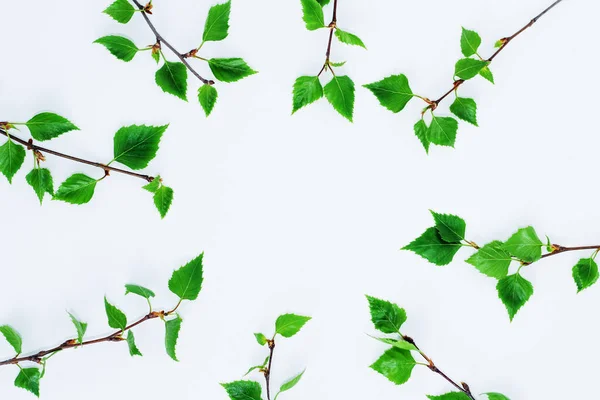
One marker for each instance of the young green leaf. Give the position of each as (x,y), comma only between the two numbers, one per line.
(469,42)
(396,365)
(12,337)
(163,199)
(433,248)
(421,130)
(29,379)
(121,11)
(133,350)
(260,338)
(393,92)
(514,291)
(450,227)
(153,186)
(585,273)
(12,156)
(486,72)
(40,179)
(525,245)
(243,390)
(387,317)
(136,145)
(77,189)
(230,69)
(442,131)
(290,384)
(312,14)
(172,79)
(155,56)
(399,343)
(217,23)
(337,64)
(263,365)
(46,126)
(465,109)
(307,90)
(340,94)
(116,318)
(499,43)
(81,328)
(120,47)
(287,325)
(207,96)
(492,260)
(349,38)
(496,396)
(139,290)
(450,396)
(468,68)
(186,282)
(172,328)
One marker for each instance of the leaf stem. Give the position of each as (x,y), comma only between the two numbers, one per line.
(267,371)
(332,26)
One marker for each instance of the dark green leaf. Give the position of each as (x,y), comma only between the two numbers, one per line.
(525,245)
(451,228)
(492,260)
(172,79)
(393,92)
(230,69)
(81,327)
(450,396)
(186,282)
(136,145)
(12,337)
(116,318)
(287,325)
(433,248)
(340,93)
(349,38)
(307,90)
(29,379)
(77,189)
(46,126)
(290,384)
(217,24)
(207,96)
(139,290)
(312,14)
(486,72)
(323,3)
(442,131)
(163,199)
(396,365)
(469,42)
(421,130)
(465,109)
(153,186)
(387,317)
(172,334)
(243,390)
(585,273)
(260,338)
(121,11)
(133,350)
(120,47)
(514,291)
(12,156)
(40,179)
(468,68)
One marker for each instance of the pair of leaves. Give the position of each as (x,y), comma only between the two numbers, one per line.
(250,390)
(339,92)
(469,45)
(286,325)
(163,195)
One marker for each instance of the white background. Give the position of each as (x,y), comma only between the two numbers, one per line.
(305,214)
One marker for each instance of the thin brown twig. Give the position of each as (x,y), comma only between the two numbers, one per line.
(332,26)
(558,249)
(267,372)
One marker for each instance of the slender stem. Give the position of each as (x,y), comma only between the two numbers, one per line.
(160,39)
(106,168)
(563,249)
(332,26)
(267,372)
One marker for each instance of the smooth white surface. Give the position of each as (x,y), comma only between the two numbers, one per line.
(305,214)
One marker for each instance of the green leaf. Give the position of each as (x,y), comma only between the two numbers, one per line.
(465,109)
(307,90)
(433,248)
(287,325)
(450,227)
(486,72)
(186,282)
(387,317)
(217,24)
(12,156)
(496,396)
(340,93)
(396,365)
(421,130)
(81,328)
(116,318)
(312,14)
(261,339)
(133,350)
(163,198)
(525,245)
(77,189)
(264,364)
(393,92)
(207,96)
(155,56)
(514,291)
(29,379)
(230,69)
(492,260)
(469,42)
(585,273)
(243,390)
(12,337)
(120,47)
(153,186)
(337,64)
(172,334)
(498,43)
(323,3)
(442,131)
(290,384)
(172,79)
(450,396)
(401,344)
(40,179)
(46,126)
(468,68)
(139,290)
(349,38)
(121,11)
(136,145)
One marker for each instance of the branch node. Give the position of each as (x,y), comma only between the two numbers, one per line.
(190,53)
(148,8)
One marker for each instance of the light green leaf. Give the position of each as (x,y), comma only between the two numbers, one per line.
(217,23)
(340,93)
(450,227)
(81,328)
(243,390)
(421,130)
(486,72)
(163,198)
(40,179)
(207,96)
(465,109)
(349,38)
(442,131)
(155,56)
(514,291)
(121,11)
(492,260)
(186,282)
(337,64)
(172,334)
(133,350)
(307,90)
(312,14)
(450,396)
(469,42)
(12,337)
(498,43)
(287,325)
(261,339)
(468,68)
(387,317)
(290,384)
(139,290)
(496,396)
(29,379)
(120,47)
(46,126)
(172,79)
(393,92)
(116,318)
(230,69)
(136,145)
(433,248)
(12,156)
(77,189)
(585,273)
(396,365)
(264,364)
(153,186)
(525,245)
(401,344)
